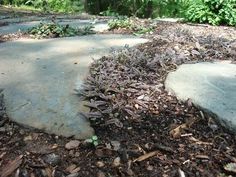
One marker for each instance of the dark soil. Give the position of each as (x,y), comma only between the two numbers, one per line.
(143,131)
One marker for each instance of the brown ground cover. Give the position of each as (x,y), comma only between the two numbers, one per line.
(143,131)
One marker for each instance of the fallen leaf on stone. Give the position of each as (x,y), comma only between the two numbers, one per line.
(230,167)
(146,156)
(72,144)
(11,167)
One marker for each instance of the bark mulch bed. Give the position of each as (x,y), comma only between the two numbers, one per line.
(143,131)
(12,37)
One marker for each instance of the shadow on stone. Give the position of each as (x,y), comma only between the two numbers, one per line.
(39,78)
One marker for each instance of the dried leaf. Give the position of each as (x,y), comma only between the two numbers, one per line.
(48,172)
(181,173)
(202,157)
(115,121)
(92,115)
(71,168)
(176,133)
(230,167)
(146,156)
(75,170)
(11,167)
(107,111)
(116,162)
(199,142)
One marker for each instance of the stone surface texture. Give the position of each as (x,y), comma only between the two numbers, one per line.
(99,25)
(211,86)
(39,78)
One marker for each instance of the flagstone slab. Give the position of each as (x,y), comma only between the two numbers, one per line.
(39,78)
(211,86)
(99,25)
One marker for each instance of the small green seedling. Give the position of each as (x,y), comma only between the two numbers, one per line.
(93,140)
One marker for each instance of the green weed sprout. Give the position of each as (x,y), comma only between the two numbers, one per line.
(93,140)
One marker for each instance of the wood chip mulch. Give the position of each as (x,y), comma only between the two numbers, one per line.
(143,131)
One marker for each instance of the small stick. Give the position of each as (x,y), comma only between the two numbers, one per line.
(181,173)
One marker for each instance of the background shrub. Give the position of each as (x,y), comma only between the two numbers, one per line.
(139,8)
(54,30)
(48,5)
(215,12)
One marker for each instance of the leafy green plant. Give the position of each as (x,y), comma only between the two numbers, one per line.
(93,140)
(48,5)
(53,30)
(215,12)
(131,24)
(143,30)
(120,22)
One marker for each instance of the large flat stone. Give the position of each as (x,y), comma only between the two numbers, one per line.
(99,25)
(211,86)
(39,78)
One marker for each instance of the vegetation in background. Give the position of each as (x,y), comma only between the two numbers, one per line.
(215,12)
(48,5)
(132,24)
(120,22)
(53,30)
(139,8)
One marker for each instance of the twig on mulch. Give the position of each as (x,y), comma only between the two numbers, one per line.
(11,167)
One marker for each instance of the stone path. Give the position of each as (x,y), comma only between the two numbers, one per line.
(99,25)
(211,86)
(39,78)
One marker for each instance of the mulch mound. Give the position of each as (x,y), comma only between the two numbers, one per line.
(143,130)
(12,36)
